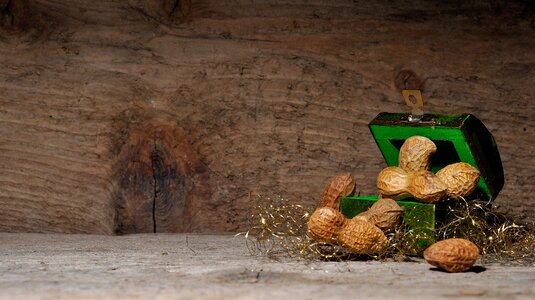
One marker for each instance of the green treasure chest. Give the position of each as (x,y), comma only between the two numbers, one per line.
(459,138)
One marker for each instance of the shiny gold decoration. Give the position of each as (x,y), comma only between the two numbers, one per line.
(498,238)
(279,229)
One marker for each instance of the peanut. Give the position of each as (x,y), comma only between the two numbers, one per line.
(423,185)
(324,224)
(340,186)
(385,214)
(460,178)
(356,236)
(361,237)
(452,255)
(392,182)
(426,186)
(415,154)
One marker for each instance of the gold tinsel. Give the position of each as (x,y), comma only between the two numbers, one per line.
(278,229)
(498,238)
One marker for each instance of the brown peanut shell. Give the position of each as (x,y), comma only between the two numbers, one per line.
(385,214)
(361,237)
(342,185)
(452,255)
(426,187)
(363,216)
(392,182)
(324,224)
(460,178)
(415,154)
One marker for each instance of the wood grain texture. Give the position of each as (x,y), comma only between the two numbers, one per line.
(273,97)
(201,266)
(161,181)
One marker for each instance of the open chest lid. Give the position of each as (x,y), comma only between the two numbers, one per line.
(459,138)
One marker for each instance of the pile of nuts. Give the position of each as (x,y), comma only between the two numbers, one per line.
(360,235)
(365,233)
(413,179)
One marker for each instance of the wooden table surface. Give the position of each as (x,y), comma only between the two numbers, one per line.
(55,266)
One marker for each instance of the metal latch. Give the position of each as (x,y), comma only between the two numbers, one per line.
(414,100)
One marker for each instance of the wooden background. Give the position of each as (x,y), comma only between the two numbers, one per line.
(142,116)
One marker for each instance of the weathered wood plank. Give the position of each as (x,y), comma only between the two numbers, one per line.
(163,266)
(274,98)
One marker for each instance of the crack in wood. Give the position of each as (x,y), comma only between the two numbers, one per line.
(160,180)
(176,5)
(154,162)
(8,14)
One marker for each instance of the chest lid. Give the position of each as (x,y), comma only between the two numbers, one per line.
(459,138)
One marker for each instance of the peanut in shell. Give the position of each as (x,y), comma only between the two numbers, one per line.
(426,186)
(385,214)
(361,237)
(324,224)
(342,185)
(452,255)
(392,182)
(460,178)
(415,154)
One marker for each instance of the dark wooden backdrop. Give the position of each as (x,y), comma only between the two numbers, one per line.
(130,116)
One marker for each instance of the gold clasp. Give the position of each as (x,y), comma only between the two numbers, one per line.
(414,100)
